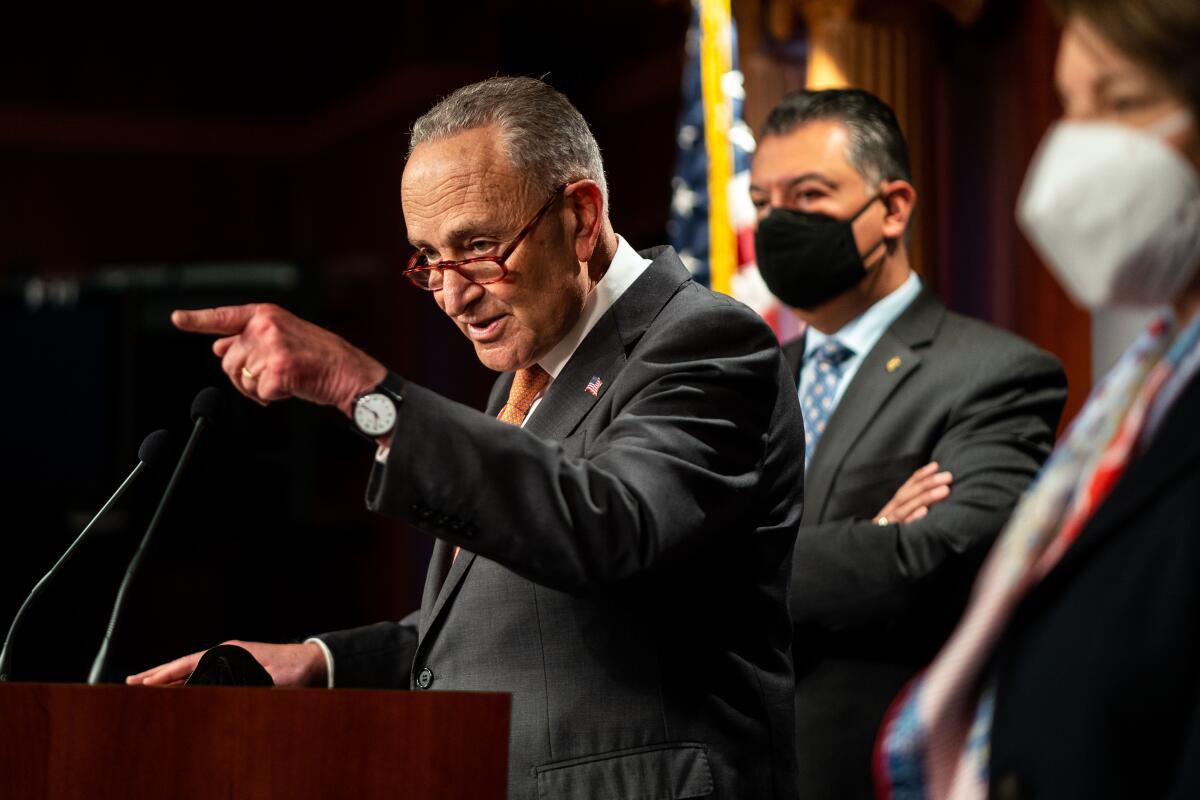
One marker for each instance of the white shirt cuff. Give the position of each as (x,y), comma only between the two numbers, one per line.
(328,659)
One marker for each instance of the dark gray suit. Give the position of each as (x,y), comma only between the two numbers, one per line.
(625,556)
(871,604)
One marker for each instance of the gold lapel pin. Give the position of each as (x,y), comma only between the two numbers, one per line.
(893,364)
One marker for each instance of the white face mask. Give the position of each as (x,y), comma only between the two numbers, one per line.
(1114,211)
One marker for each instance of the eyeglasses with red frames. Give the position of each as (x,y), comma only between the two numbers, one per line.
(482,270)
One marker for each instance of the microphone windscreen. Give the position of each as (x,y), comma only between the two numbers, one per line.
(229,665)
(210,404)
(155,450)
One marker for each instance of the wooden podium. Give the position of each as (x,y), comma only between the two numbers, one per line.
(68,741)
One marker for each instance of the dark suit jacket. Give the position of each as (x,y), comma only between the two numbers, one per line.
(625,557)
(871,604)
(1098,691)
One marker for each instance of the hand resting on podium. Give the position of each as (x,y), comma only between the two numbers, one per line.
(287,664)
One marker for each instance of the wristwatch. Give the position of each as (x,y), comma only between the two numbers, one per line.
(375,411)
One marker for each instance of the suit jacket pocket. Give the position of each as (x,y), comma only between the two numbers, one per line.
(861,491)
(668,771)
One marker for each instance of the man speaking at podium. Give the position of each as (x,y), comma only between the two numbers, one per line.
(614,536)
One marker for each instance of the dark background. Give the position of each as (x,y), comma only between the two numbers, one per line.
(161,159)
(216,154)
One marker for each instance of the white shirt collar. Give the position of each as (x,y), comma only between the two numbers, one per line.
(626,267)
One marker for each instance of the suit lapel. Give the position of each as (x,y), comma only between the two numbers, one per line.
(499,394)
(599,356)
(889,363)
(457,571)
(602,354)
(873,384)
(435,580)
(793,352)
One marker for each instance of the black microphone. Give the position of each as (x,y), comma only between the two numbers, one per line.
(229,665)
(207,410)
(152,454)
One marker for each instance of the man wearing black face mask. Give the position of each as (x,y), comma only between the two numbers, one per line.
(923,426)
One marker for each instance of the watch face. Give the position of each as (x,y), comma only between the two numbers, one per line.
(375,414)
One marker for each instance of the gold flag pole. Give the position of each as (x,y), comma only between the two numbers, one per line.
(716,61)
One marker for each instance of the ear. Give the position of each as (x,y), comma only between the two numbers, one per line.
(586,206)
(898,198)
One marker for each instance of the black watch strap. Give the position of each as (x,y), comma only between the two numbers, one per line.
(392,385)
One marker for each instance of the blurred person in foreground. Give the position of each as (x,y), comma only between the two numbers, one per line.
(614,535)
(1076,669)
(923,426)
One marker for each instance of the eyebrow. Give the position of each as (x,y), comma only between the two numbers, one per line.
(1119,78)
(820,177)
(463,233)
(1100,85)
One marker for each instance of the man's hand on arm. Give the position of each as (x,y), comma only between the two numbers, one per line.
(924,488)
(287,664)
(270,354)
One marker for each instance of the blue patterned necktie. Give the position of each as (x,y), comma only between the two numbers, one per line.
(818,400)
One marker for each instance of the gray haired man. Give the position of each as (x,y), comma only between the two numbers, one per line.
(614,535)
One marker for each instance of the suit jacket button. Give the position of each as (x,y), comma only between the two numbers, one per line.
(424,678)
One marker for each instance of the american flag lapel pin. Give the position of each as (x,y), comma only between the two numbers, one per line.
(593,387)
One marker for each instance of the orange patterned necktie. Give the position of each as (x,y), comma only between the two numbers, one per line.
(527,385)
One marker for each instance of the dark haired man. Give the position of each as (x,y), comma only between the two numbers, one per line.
(923,426)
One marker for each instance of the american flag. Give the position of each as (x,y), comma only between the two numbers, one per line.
(691,211)
(593,387)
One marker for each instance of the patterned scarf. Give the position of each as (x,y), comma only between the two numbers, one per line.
(935,740)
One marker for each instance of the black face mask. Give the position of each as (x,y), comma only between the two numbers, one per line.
(807,259)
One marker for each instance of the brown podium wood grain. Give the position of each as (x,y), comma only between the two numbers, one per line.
(67,741)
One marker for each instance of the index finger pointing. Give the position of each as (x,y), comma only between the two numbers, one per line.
(224,320)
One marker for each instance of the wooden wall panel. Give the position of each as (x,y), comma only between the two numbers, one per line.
(995,100)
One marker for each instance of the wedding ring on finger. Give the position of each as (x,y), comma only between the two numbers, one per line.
(248,376)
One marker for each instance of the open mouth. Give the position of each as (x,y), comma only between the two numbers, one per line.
(486,330)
